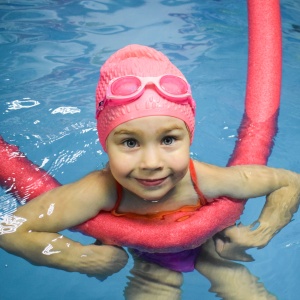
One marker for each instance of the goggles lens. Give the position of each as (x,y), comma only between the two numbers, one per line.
(125,86)
(174,85)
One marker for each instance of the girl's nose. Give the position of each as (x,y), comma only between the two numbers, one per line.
(151,159)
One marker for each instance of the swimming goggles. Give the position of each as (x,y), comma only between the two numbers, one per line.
(125,89)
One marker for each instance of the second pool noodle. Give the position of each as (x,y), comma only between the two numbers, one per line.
(25,180)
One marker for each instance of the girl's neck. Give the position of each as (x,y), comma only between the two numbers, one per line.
(181,195)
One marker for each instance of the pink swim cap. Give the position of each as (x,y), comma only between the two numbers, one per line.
(145,62)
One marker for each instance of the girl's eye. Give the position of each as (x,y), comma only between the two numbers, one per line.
(130,143)
(168,140)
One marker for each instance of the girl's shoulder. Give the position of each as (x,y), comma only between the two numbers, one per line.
(100,185)
(209,177)
(205,169)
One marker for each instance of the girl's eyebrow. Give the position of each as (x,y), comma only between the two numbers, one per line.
(168,129)
(124,131)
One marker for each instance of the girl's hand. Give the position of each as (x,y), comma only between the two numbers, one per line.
(277,212)
(108,261)
(233,242)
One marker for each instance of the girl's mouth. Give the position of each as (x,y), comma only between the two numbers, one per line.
(151,182)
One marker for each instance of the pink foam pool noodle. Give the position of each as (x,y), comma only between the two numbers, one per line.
(19,176)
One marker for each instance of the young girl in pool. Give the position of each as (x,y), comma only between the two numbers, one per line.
(146,121)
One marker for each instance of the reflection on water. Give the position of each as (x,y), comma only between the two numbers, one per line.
(65,110)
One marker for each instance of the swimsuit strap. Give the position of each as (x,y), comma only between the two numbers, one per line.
(193,173)
(119,198)
(160,215)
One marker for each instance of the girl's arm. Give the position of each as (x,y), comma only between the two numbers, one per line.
(31,232)
(281,188)
(277,213)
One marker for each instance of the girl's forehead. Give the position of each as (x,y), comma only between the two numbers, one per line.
(151,122)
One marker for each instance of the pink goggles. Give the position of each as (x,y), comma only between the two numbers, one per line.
(125,89)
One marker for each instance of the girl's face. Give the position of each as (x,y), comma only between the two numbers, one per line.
(150,155)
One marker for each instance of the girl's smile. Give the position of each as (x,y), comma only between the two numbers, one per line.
(151,182)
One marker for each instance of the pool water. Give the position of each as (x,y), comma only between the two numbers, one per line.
(51,52)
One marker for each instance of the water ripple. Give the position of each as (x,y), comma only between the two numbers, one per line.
(25,103)
(66,110)
(8,204)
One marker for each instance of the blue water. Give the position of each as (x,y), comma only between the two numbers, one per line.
(51,52)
